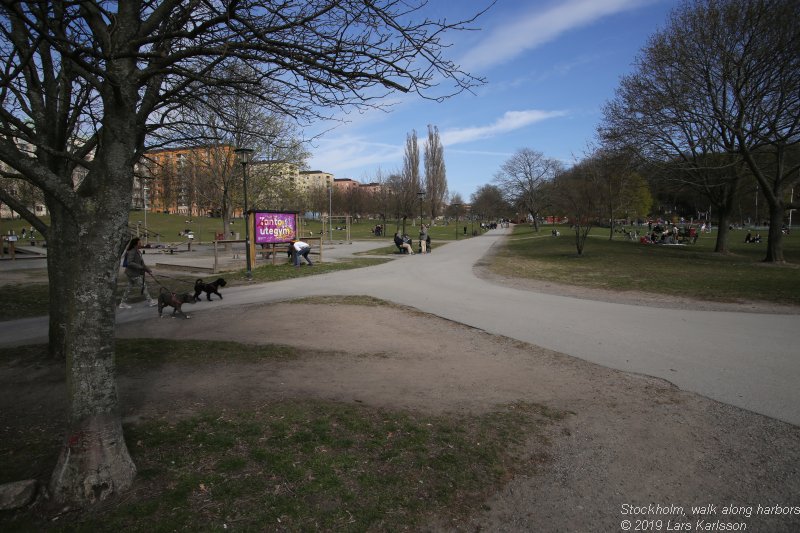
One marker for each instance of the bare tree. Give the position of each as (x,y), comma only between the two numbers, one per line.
(622,190)
(88,85)
(574,194)
(410,183)
(488,202)
(435,174)
(382,199)
(523,178)
(223,121)
(719,89)
(395,183)
(455,210)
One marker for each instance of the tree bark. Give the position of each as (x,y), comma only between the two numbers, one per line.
(60,273)
(724,210)
(775,240)
(535,222)
(94,462)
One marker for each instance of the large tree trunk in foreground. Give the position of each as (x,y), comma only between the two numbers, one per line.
(94,462)
(60,273)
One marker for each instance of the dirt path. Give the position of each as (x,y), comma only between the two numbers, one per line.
(632,440)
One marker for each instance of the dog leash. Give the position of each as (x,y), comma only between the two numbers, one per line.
(171,277)
(157,282)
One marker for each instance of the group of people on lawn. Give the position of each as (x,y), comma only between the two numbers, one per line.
(673,235)
(405,244)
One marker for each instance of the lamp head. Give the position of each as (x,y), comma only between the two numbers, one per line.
(243,155)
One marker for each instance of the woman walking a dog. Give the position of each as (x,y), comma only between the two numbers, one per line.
(135,269)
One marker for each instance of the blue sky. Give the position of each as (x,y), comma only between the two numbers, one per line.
(550,66)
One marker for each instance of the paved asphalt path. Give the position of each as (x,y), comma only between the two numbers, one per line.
(745,359)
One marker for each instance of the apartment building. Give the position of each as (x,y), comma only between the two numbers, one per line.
(172,180)
(315,179)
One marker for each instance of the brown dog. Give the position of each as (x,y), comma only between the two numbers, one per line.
(166,298)
(208,288)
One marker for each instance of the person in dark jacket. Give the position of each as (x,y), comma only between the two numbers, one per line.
(135,270)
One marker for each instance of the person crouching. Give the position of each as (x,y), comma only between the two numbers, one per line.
(301,249)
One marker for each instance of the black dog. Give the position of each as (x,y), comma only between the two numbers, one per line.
(208,288)
(166,298)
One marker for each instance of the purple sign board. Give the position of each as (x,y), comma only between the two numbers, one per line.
(273,227)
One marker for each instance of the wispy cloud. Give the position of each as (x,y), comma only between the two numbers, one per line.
(342,154)
(510,121)
(531,29)
(349,153)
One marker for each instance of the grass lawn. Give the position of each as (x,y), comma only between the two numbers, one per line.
(306,465)
(621,265)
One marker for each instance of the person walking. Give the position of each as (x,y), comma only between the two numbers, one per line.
(135,270)
(423,239)
(301,249)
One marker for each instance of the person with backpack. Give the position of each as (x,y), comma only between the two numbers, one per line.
(135,270)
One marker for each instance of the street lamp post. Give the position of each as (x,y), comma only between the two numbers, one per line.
(756,205)
(330,213)
(456,206)
(144,198)
(244,154)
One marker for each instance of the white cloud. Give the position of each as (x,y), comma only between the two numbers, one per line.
(532,29)
(346,154)
(341,154)
(510,121)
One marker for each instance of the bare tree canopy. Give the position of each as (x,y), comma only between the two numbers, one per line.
(719,89)
(410,181)
(574,194)
(86,86)
(523,179)
(488,202)
(435,173)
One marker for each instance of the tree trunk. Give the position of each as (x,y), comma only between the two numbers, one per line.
(775,240)
(59,271)
(227,215)
(581,233)
(723,221)
(725,204)
(94,462)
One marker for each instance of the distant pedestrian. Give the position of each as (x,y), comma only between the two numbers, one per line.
(423,239)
